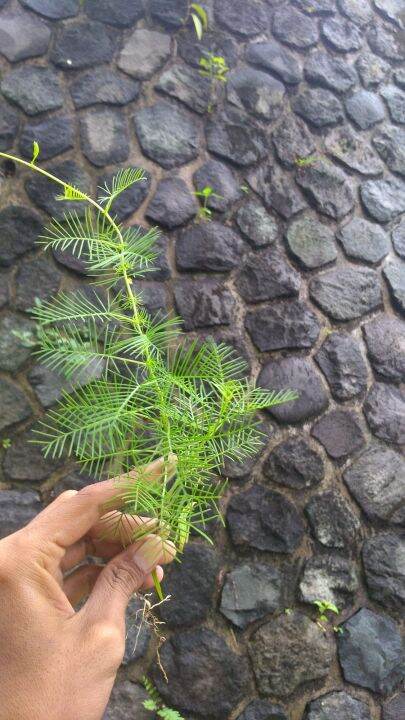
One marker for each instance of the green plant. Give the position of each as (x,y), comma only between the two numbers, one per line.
(6,443)
(199,18)
(324,607)
(156,704)
(214,68)
(306,161)
(159,393)
(204,212)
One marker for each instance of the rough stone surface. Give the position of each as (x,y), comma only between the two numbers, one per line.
(330,72)
(340,434)
(138,633)
(54,136)
(389,143)
(300,375)
(327,187)
(220,178)
(359,11)
(353,152)
(330,578)
(371,651)
(204,675)
(266,275)
(383,199)
(256,224)
(104,136)
(19,229)
(294,28)
(125,697)
(384,568)
(384,408)
(14,405)
(250,592)
(17,339)
(371,69)
(262,710)
(318,107)
(292,141)
(385,340)
(346,293)
(241,18)
(122,13)
(24,460)
(22,35)
(287,652)
(278,191)
(51,10)
(375,479)
(275,58)
(394,708)
(310,242)
(187,85)
(170,13)
(295,464)
(102,85)
(257,92)
(49,385)
(342,35)
(338,705)
(34,89)
(332,520)
(144,52)
(398,238)
(262,519)
(82,44)
(17,508)
(341,361)
(9,124)
(395,100)
(386,42)
(230,137)
(172,204)
(365,109)
(203,304)
(394,272)
(36,278)
(208,246)
(364,240)
(42,191)
(289,324)
(166,134)
(131,199)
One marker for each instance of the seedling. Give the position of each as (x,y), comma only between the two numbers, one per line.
(160,395)
(6,443)
(156,704)
(215,68)
(325,607)
(306,161)
(204,212)
(199,18)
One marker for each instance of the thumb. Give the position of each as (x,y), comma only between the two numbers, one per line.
(123,575)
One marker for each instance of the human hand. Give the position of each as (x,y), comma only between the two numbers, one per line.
(55,663)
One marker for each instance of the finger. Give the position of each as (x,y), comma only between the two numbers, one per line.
(149,583)
(125,574)
(68,519)
(80,583)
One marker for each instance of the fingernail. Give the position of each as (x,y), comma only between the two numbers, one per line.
(148,553)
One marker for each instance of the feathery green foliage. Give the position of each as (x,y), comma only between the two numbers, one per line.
(158,394)
(156,704)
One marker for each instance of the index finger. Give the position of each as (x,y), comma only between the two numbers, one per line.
(68,519)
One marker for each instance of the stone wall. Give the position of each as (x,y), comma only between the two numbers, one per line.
(301,268)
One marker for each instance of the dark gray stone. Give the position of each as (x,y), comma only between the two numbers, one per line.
(346,293)
(357,10)
(391,10)
(19,229)
(394,272)
(49,385)
(203,303)
(166,134)
(371,652)
(170,13)
(371,69)
(187,85)
(262,710)
(375,479)
(123,13)
(75,480)
(208,246)
(340,433)
(220,178)
(318,107)
(54,135)
(365,109)
(285,325)
(395,100)
(266,275)
(137,632)
(333,521)
(17,338)
(131,199)
(51,10)
(398,238)
(256,224)
(241,18)
(37,278)
(338,705)
(330,578)
(386,42)
(231,137)
(310,242)
(383,199)
(204,675)
(17,508)
(255,91)
(363,240)
(275,58)
(316,7)
(103,85)
(342,35)
(353,151)
(287,652)
(144,52)
(295,464)
(341,361)
(297,374)
(295,29)
(14,405)
(43,192)
(104,136)
(9,125)
(212,41)
(330,72)
(191,585)
(384,409)
(399,77)
(4,288)
(241,470)
(172,203)
(24,460)
(22,35)
(327,187)
(154,297)
(262,519)
(127,698)
(81,44)
(385,340)
(292,141)
(394,708)
(277,189)
(384,569)
(250,592)
(34,89)
(161,269)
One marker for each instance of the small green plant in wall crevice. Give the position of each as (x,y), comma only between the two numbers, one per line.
(155,703)
(205,194)
(214,68)
(199,18)
(325,608)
